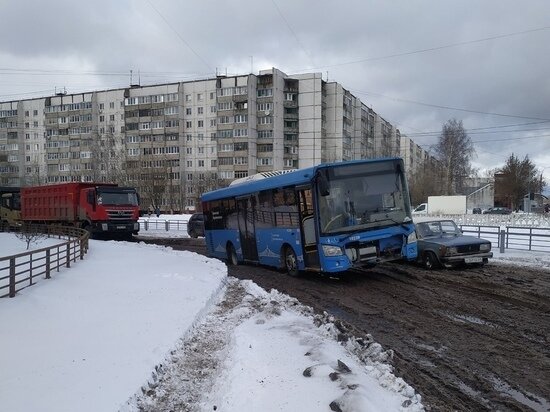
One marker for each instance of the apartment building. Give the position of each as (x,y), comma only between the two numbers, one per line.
(174,141)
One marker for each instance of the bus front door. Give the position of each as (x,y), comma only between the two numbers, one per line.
(246,228)
(307,227)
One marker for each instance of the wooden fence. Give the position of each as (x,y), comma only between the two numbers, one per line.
(24,269)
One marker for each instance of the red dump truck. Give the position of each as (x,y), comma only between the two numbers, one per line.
(100,208)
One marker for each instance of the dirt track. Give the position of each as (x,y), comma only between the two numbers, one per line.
(476,339)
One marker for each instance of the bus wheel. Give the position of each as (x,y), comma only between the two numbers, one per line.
(232,255)
(291,263)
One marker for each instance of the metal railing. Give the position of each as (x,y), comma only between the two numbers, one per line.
(514,219)
(156,224)
(535,239)
(22,270)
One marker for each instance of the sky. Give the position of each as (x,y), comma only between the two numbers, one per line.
(417,64)
(136,327)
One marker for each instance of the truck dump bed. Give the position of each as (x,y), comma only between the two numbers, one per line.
(52,202)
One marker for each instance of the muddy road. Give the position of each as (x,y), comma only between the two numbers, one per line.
(466,340)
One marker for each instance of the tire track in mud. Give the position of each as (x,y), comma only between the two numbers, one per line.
(466,339)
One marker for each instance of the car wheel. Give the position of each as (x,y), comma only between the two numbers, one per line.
(232,255)
(291,262)
(193,234)
(430,261)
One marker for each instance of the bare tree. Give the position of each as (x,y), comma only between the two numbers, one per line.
(426,181)
(108,158)
(455,150)
(202,183)
(516,179)
(29,234)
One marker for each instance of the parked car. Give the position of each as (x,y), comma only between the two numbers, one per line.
(441,243)
(195,225)
(497,211)
(476,210)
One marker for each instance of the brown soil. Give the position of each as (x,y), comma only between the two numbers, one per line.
(466,339)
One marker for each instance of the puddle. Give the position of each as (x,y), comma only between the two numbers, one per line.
(340,314)
(530,400)
(472,393)
(469,319)
(431,348)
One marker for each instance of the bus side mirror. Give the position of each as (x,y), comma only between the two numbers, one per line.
(322,182)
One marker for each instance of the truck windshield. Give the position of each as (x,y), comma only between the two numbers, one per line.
(117,198)
(362,197)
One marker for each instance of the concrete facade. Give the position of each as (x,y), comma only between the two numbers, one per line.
(174,141)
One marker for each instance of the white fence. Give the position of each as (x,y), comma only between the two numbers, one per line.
(535,239)
(152,226)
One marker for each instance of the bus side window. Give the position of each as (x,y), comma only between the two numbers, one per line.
(264,210)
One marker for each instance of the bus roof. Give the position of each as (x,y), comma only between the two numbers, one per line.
(297,177)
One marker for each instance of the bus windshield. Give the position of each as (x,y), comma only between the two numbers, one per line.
(363,196)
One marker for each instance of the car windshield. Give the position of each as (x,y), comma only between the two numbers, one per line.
(363,196)
(437,228)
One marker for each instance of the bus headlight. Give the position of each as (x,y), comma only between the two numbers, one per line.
(329,250)
(412,237)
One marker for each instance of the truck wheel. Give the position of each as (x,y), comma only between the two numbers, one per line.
(232,255)
(291,262)
(430,261)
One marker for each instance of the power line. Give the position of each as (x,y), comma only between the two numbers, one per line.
(470,130)
(429,49)
(179,36)
(437,106)
(292,31)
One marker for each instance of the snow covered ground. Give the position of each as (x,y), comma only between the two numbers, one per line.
(140,327)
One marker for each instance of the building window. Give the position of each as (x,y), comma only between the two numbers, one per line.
(264,161)
(200,97)
(265,92)
(188,98)
(200,123)
(241,118)
(201,163)
(189,124)
(188,110)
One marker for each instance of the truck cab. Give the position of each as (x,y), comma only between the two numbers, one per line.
(10,207)
(109,209)
(420,210)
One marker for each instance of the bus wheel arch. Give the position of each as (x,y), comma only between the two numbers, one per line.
(231,254)
(289,260)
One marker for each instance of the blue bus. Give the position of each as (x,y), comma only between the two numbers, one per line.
(328,218)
